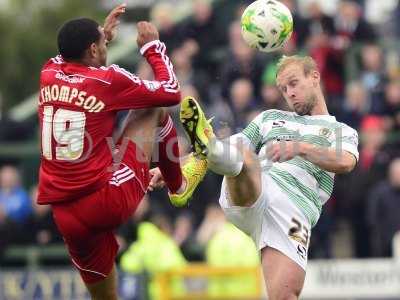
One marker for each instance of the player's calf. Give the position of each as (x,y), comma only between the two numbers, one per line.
(105,289)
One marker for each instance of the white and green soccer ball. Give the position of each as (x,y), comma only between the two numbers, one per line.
(267,25)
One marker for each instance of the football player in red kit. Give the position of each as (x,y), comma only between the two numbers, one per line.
(93,183)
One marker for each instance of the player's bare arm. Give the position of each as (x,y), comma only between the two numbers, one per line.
(112,21)
(329,159)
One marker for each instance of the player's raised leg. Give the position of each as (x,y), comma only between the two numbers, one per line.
(140,127)
(283,277)
(225,157)
(144,127)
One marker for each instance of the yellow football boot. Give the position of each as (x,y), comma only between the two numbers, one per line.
(193,170)
(196,125)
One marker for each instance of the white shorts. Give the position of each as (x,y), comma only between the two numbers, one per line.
(273,220)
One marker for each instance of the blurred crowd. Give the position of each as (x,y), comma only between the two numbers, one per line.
(358,59)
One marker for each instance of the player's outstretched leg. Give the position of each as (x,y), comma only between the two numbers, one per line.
(225,157)
(140,126)
(283,277)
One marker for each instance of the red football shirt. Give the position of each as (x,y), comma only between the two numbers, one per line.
(77,111)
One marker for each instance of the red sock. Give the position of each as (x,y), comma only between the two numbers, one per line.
(168,152)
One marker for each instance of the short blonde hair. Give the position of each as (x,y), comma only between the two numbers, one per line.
(307,62)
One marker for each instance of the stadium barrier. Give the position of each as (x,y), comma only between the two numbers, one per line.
(33,256)
(353,279)
(326,279)
(196,277)
(61,284)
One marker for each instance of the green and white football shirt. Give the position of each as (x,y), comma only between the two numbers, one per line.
(304,183)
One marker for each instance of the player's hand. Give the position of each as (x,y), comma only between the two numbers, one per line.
(283,150)
(147,32)
(112,21)
(156,180)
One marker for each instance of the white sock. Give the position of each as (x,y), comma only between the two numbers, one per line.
(224,157)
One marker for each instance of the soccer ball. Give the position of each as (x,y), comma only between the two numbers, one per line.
(266,25)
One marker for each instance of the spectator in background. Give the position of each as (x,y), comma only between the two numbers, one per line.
(228,247)
(383,208)
(184,236)
(127,233)
(212,222)
(370,169)
(201,28)
(241,99)
(154,252)
(373,139)
(241,61)
(223,118)
(372,75)
(162,16)
(40,228)
(350,24)
(15,208)
(271,97)
(182,59)
(14,200)
(356,104)
(329,57)
(391,106)
(318,21)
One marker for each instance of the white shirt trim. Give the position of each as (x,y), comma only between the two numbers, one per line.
(148,45)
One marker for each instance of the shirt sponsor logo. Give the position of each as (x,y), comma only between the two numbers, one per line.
(69,79)
(278,123)
(286,137)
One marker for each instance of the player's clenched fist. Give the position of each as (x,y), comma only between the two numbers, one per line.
(147,32)
(157,180)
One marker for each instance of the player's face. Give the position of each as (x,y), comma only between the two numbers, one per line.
(100,55)
(298,89)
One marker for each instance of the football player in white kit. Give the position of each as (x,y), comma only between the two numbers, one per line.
(279,171)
